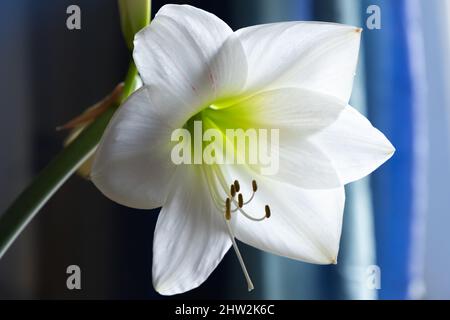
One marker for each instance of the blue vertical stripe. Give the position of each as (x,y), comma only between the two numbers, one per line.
(436,29)
(389,91)
(416,49)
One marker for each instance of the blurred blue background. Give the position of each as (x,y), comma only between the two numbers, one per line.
(396,224)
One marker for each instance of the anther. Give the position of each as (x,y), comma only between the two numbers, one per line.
(228,209)
(254,186)
(240,200)
(232,190)
(237,186)
(267,209)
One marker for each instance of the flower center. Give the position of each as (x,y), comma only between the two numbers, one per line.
(228,128)
(227,197)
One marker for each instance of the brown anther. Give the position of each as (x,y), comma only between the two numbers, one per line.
(228,209)
(267,209)
(232,190)
(237,186)
(254,186)
(240,200)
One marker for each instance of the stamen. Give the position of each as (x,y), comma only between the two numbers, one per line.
(232,190)
(267,209)
(240,200)
(254,186)
(215,194)
(245,214)
(250,199)
(227,209)
(216,181)
(237,186)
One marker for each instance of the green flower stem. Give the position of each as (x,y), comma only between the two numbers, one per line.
(49,180)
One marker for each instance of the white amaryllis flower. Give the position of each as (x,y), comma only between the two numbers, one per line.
(293,76)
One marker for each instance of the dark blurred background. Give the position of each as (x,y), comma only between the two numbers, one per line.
(396,220)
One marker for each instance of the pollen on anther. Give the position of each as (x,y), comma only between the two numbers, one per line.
(267,209)
(232,190)
(240,200)
(237,186)
(254,186)
(228,209)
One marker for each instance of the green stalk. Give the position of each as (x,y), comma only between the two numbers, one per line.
(51,178)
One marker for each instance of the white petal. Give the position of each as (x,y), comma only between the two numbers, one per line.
(304,165)
(132,164)
(304,224)
(317,56)
(190,236)
(292,109)
(354,146)
(191,53)
(296,114)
